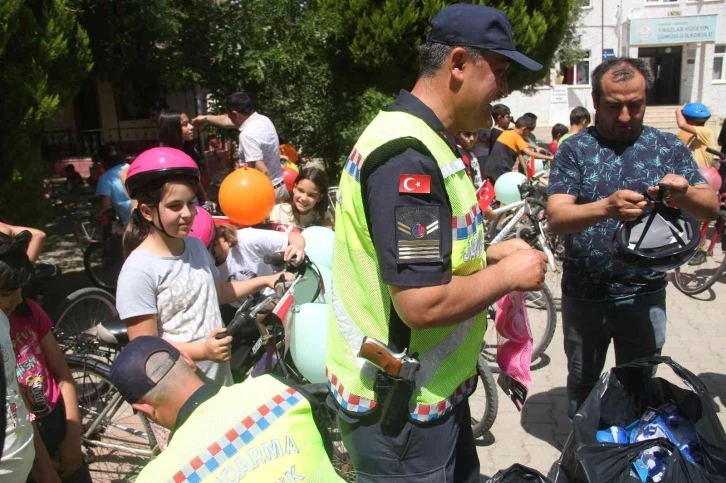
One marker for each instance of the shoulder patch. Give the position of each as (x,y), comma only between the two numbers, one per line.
(418,234)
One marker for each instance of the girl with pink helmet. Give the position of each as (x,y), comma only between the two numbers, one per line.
(167,285)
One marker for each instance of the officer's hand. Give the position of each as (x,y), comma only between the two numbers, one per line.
(501,250)
(218,350)
(525,269)
(625,205)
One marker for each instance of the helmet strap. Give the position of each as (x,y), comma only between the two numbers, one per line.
(161,225)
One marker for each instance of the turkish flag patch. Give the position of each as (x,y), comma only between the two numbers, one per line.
(414,183)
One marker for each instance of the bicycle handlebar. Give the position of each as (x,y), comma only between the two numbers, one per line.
(718,154)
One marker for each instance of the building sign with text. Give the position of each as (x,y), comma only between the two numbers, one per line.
(673,30)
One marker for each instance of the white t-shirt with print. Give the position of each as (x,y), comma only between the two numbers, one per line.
(245,260)
(181,292)
(282,213)
(18,454)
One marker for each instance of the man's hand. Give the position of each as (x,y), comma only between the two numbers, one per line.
(525,269)
(676,188)
(501,250)
(625,205)
(70,455)
(200,121)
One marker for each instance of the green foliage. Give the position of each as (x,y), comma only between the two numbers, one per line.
(281,60)
(45,54)
(377,42)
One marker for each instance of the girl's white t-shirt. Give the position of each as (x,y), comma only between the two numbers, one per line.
(245,261)
(180,291)
(282,213)
(16,458)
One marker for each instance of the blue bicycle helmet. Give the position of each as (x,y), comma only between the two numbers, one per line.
(696,110)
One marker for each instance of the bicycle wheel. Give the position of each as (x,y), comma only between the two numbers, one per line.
(325,419)
(706,267)
(102,265)
(118,441)
(81,310)
(542,315)
(491,399)
(87,230)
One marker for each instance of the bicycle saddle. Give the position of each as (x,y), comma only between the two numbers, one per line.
(46,271)
(111,332)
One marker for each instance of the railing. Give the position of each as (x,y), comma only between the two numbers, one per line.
(69,143)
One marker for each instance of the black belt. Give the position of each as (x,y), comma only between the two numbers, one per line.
(275,186)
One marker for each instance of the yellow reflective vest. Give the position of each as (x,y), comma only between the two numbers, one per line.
(361,302)
(261,430)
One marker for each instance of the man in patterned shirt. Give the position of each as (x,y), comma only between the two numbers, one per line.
(600,177)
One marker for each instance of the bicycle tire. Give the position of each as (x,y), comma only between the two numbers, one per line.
(491,399)
(92,255)
(326,420)
(130,435)
(539,346)
(81,310)
(709,281)
(699,288)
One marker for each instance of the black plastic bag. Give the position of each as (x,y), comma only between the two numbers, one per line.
(621,397)
(518,474)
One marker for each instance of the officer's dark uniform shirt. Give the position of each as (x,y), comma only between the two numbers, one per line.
(592,168)
(391,212)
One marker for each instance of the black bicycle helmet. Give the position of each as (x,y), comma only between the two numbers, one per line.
(660,239)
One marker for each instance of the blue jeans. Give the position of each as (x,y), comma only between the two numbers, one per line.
(636,325)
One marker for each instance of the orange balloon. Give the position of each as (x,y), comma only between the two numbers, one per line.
(289,151)
(246,196)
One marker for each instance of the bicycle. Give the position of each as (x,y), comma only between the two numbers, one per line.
(76,312)
(526,219)
(108,422)
(103,259)
(709,263)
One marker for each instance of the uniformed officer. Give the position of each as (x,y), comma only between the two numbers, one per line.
(258,430)
(409,259)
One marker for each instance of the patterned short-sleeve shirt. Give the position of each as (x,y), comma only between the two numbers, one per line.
(592,168)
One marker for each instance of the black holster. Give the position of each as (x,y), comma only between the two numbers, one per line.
(393,395)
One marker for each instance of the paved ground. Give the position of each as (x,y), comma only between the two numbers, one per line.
(533,437)
(696,339)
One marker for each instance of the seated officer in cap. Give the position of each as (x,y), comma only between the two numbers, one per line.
(410,268)
(258,430)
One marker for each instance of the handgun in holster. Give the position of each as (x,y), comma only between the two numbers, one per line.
(394,384)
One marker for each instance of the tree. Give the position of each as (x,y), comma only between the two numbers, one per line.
(45,54)
(375,43)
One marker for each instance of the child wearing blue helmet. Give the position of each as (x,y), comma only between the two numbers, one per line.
(693,133)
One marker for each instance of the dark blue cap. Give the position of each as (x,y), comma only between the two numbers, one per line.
(131,372)
(486,28)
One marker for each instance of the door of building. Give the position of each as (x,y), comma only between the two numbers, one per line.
(665,63)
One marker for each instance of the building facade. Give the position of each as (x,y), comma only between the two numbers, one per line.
(683,40)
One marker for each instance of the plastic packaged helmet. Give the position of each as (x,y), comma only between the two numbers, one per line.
(203,227)
(696,110)
(660,239)
(156,163)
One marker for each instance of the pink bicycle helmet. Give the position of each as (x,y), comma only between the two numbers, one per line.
(203,227)
(157,163)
